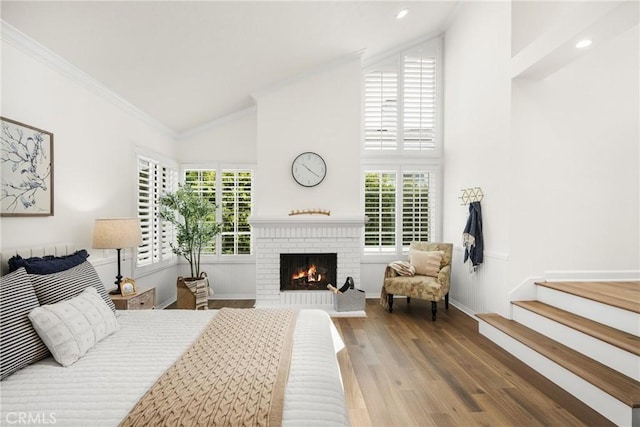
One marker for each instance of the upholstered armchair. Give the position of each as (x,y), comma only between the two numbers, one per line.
(426,276)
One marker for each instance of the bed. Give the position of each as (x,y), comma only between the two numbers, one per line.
(107,384)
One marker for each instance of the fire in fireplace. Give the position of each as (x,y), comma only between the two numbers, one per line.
(307,271)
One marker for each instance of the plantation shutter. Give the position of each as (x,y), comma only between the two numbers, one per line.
(203,182)
(381,110)
(236,209)
(145,197)
(168,184)
(418,206)
(154,180)
(419,106)
(380,211)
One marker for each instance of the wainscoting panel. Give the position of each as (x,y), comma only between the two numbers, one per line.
(484,290)
(233,280)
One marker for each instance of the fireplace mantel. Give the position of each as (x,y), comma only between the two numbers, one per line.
(306,221)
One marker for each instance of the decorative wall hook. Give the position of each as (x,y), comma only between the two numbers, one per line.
(469,195)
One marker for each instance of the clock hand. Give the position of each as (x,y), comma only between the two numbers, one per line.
(307,167)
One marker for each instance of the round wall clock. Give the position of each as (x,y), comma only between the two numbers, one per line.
(309,169)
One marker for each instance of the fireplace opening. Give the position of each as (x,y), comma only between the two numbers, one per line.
(307,271)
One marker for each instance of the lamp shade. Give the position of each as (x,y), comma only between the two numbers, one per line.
(117,233)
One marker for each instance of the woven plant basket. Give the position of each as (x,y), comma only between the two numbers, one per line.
(193,292)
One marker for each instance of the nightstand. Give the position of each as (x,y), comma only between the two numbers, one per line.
(144,299)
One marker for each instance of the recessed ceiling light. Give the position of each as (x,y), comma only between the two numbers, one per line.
(583,43)
(402,13)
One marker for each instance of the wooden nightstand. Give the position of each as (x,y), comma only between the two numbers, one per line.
(144,299)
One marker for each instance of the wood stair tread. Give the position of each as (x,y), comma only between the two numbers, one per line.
(606,379)
(615,337)
(622,294)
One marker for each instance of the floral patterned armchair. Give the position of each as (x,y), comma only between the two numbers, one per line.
(428,283)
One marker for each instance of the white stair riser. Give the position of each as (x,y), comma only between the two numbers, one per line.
(607,354)
(605,404)
(620,319)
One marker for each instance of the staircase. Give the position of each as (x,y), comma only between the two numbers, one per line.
(583,336)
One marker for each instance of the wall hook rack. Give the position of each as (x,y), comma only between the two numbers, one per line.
(469,195)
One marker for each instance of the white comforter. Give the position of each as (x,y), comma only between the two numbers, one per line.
(102,387)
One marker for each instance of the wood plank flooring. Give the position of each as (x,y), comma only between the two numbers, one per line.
(624,295)
(615,337)
(409,371)
(402,369)
(606,379)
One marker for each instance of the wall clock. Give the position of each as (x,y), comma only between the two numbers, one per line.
(309,169)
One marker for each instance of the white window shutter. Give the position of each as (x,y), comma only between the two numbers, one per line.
(419,106)
(381,110)
(419,200)
(144,210)
(154,180)
(380,211)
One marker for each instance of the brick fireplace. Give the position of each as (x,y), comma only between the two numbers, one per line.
(303,235)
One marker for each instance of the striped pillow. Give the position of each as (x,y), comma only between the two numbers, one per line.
(20,345)
(427,263)
(56,287)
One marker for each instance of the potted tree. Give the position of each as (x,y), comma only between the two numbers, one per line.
(194,219)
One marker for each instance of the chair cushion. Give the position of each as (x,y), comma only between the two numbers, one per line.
(426,263)
(420,287)
(20,345)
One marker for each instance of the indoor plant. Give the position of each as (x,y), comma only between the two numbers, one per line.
(194,220)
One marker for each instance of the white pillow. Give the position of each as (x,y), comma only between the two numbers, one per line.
(70,328)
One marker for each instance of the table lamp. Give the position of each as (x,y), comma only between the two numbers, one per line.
(117,233)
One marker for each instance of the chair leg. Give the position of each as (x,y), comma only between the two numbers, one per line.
(390,302)
(434,309)
(446,301)
(408,300)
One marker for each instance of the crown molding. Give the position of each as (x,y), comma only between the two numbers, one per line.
(354,56)
(217,122)
(37,51)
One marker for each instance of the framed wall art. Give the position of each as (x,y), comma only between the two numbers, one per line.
(27,170)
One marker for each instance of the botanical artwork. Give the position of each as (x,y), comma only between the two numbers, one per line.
(27,170)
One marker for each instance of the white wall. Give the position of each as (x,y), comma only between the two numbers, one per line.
(576,162)
(231,139)
(94,157)
(557,159)
(477,65)
(319,113)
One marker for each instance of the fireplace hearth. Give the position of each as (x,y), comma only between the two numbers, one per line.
(308,272)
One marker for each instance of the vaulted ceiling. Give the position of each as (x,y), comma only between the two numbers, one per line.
(186,63)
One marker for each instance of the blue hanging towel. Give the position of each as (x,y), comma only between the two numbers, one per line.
(472,237)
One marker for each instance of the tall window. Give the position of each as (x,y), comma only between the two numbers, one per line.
(154,180)
(402,106)
(400,206)
(231,190)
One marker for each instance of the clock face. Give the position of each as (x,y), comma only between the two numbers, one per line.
(309,169)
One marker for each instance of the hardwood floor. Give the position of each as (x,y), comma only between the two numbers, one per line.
(402,369)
